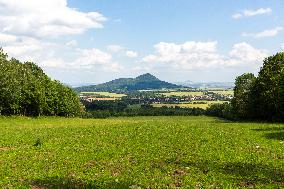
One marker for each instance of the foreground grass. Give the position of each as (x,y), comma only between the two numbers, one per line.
(146,152)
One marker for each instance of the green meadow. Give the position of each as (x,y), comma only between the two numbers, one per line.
(140,152)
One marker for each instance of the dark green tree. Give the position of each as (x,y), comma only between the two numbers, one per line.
(241,102)
(270,87)
(26,90)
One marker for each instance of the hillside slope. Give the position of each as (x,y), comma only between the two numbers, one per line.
(142,82)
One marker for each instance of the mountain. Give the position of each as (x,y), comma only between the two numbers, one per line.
(142,82)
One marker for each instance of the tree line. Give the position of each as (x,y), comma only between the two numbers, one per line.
(257,97)
(104,109)
(26,90)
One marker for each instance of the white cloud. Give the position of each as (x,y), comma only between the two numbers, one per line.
(282,46)
(54,63)
(202,55)
(149,58)
(49,55)
(237,15)
(114,67)
(91,57)
(249,13)
(246,53)
(6,38)
(30,49)
(266,33)
(189,55)
(115,48)
(71,43)
(41,18)
(122,51)
(131,54)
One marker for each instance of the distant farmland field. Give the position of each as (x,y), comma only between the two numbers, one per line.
(146,152)
(197,104)
(177,93)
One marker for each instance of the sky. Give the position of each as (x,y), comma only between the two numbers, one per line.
(83,41)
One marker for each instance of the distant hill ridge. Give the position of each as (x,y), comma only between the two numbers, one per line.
(142,82)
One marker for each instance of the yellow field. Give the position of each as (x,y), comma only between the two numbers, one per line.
(108,94)
(223,92)
(189,105)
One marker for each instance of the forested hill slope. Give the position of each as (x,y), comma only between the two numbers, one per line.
(142,82)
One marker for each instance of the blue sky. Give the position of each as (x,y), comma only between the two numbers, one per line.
(176,40)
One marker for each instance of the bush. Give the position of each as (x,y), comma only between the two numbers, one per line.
(224,110)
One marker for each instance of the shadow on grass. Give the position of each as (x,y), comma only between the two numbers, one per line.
(243,174)
(275,136)
(279,135)
(254,173)
(74,183)
(270,129)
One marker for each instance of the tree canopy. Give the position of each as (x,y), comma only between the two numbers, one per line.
(261,97)
(26,90)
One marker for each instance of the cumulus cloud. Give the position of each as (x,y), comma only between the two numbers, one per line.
(54,63)
(171,52)
(202,55)
(71,43)
(6,38)
(266,33)
(90,57)
(41,18)
(30,49)
(122,51)
(189,55)
(246,53)
(131,54)
(114,67)
(49,55)
(115,48)
(249,13)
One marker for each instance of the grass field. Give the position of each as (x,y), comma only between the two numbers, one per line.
(107,94)
(146,152)
(204,104)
